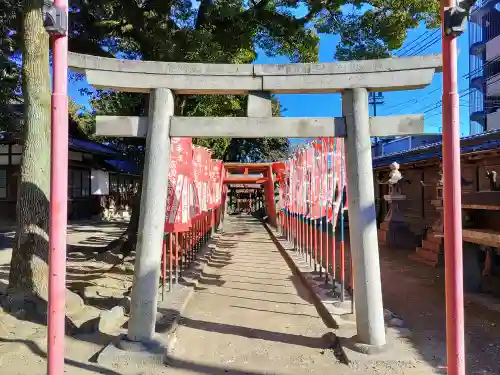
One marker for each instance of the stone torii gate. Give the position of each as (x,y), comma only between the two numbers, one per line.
(353,79)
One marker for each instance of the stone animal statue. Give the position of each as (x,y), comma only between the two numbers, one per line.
(492,177)
(394,175)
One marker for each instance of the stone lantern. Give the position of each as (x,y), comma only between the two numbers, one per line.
(431,251)
(393,230)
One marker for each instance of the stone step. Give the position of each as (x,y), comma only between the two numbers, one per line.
(382,235)
(432,246)
(425,257)
(434,237)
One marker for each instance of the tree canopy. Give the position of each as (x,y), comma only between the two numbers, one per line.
(229,31)
(223,31)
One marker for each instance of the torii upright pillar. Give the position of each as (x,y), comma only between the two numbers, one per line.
(364,244)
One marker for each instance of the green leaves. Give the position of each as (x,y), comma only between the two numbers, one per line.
(381,28)
(228,31)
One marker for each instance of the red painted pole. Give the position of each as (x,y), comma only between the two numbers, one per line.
(191,237)
(309,221)
(300,225)
(455,343)
(164,263)
(334,253)
(315,231)
(321,200)
(327,229)
(58,203)
(171,261)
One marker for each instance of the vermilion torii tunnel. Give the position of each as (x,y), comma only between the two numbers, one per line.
(254,173)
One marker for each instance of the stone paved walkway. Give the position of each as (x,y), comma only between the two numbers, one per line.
(250,314)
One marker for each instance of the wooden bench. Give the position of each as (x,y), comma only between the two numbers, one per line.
(487,237)
(490,207)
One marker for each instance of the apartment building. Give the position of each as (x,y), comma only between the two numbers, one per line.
(484,67)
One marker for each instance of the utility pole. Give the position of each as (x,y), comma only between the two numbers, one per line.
(454,16)
(375,98)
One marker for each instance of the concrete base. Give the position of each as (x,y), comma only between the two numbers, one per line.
(395,234)
(398,349)
(130,356)
(136,355)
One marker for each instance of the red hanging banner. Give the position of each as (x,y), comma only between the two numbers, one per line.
(216,179)
(197,168)
(177,218)
(205,179)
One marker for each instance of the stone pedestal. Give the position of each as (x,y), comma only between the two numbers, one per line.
(432,250)
(393,231)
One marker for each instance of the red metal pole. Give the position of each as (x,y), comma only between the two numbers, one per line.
(177,256)
(321,207)
(351,275)
(455,343)
(58,204)
(164,262)
(309,221)
(327,229)
(171,261)
(334,252)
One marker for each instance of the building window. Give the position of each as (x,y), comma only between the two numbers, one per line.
(3,183)
(113,183)
(121,183)
(85,183)
(78,183)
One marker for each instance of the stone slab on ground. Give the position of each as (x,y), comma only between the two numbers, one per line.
(399,348)
(130,357)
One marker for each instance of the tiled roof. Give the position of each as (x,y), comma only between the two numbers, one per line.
(478,142)
(125,166)
(91,146)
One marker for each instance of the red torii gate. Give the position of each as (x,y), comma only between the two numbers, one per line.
(267,180)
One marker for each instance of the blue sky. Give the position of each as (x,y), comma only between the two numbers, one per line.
(396,103)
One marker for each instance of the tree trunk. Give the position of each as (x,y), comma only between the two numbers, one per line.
(28,278)
(126,243)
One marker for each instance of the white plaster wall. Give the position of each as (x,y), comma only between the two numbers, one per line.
(493,48)
(493,121)
(493,86)
(99,182)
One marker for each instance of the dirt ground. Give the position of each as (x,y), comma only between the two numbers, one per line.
(249,315)
(101,282)
(416,292)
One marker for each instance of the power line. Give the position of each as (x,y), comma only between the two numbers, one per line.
(425,47)
(434,37)
(404,49)
(415,99)
(438,104)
